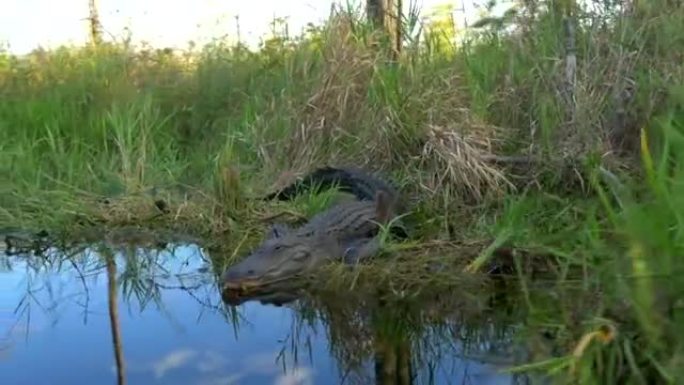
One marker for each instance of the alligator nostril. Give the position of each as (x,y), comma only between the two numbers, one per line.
(250,272)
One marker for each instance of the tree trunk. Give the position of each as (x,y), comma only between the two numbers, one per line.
(94,19)
(385,15)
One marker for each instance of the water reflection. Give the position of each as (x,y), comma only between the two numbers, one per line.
(145,316)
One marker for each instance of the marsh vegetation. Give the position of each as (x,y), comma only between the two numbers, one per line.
(547,145)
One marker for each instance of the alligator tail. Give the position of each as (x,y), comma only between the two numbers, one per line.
(359,183)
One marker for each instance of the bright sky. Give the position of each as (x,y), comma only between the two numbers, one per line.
(28,24)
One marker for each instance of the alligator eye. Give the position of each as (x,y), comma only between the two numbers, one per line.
(250,272)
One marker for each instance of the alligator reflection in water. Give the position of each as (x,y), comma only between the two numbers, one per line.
(163,317)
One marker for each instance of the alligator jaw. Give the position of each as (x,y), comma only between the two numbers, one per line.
(275,292)
(244,286)
(275,298)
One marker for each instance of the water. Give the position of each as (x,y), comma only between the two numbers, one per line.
(175,329)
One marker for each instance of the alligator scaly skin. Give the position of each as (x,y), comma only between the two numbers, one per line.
(347,231)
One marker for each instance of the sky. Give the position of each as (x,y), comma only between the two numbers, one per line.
(28,24)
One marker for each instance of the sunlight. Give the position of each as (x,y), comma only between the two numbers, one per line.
(162,25)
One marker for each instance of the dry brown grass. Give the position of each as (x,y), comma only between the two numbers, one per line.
(458,160)
(228,188)
(194,214)
(336,110)
(449,147)
(408,269)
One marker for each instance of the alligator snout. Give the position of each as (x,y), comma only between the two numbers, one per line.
(235,279)
(241,285)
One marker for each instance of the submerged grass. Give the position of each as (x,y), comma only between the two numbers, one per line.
(565,148)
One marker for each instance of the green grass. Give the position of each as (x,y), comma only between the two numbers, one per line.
(96,135)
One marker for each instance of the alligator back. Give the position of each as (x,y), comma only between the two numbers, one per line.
(351,219)
(374,195)
(357,182)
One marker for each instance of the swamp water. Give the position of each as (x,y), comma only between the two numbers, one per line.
(165,321)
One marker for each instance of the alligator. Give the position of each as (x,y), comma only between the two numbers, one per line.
(347,232)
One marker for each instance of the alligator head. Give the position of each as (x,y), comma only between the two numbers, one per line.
(287,253)
(278,258)
(288,256)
